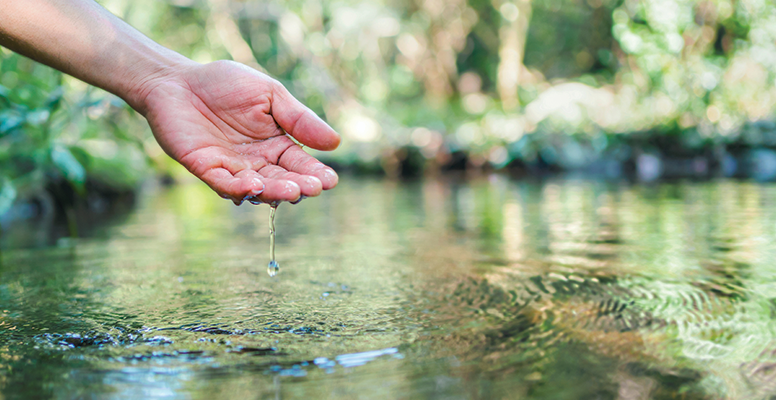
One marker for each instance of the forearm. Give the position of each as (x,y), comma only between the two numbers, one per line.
(82,39)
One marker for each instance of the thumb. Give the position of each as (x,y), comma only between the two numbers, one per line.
(301,122)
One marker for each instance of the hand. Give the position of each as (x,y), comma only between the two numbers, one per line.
(230,125)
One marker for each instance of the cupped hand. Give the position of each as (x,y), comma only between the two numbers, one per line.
(231,126)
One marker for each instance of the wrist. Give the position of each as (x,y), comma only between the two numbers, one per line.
(154,71)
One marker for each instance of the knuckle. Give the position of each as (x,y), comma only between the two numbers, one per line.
(277,87)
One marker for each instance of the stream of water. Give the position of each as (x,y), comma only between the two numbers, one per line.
(273,267)
(487,288)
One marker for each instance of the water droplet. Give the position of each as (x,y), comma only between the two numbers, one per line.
(273,268)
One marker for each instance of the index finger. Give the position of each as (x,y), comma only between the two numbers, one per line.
(295,159)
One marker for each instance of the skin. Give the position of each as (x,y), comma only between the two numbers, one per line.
(228,124)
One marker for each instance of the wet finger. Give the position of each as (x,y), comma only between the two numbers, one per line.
(295,159)
(235,187)
(309,185)
(205,159)
(279,190)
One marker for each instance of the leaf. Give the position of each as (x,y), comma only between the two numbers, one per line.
(38,117)
(10,120)
(54,99)
(73,171)
(4,94)
(7,197)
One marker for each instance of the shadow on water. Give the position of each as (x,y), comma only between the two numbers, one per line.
(487,288)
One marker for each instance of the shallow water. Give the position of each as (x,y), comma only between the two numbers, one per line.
(488,288)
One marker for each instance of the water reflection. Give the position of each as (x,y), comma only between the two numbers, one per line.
(488,288)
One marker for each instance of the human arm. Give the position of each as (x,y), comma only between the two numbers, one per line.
(226,123)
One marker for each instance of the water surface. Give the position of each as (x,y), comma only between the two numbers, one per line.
(442,288)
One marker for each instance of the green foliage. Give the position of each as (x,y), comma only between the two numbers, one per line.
(7,196)
(46,132)
(68,166)
(422,78)
(387,73)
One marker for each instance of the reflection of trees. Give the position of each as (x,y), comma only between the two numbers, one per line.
(512,37)
(613,287)
(664,288)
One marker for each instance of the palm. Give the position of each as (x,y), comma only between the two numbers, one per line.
(227,124)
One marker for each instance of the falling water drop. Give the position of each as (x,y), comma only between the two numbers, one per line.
(272,267)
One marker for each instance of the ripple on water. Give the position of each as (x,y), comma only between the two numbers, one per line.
(419,289)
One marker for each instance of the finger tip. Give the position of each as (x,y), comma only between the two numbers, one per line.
(311,130)
(333,142)
(329,139)
(256,187)
(291,191)
(280,190)
(328,178)
(324,142)
(312,186)
(248,190)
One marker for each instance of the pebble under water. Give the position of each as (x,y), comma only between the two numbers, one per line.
(488,288)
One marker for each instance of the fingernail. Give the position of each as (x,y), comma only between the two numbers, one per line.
(329,178)
(259,190)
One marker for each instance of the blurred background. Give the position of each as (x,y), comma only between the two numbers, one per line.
(642,89)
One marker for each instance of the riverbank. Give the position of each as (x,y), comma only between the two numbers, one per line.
(647,156)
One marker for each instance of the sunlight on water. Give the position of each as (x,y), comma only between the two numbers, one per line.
(489,288)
